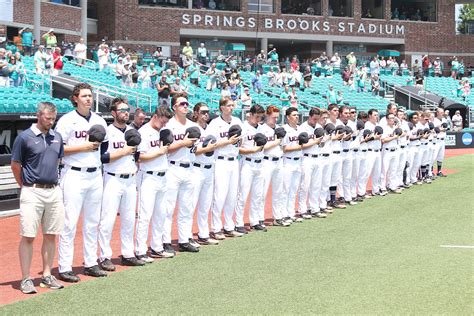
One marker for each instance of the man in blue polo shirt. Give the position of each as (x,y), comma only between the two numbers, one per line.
(35,159)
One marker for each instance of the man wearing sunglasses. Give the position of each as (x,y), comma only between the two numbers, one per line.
(390,155)
(180,184)
(119,189)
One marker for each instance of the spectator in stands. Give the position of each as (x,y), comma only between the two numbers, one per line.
(177,87)
(297,77)
(194,74)
(188,50)
(416,68)
(164,91)
(339,98)
(272,77)
(307,77)
(466,89)
(419,79)
(294,63)
(273,56)
(126,75)
(225,90)
(438,72)
(211,73)
(331,95)
(26,40)
(336,61)
(382,63)
(374,67)
(144,77)
(119,66)
(285,97)
(20,71)
(460,73)
(395,14)
(257,84)
(457,121)
(48,61)
(80,52)
(293,97)
(50,39)
(351,61)
(138,119)
(39,59)
(395,67)
(4,69)
(246,98)
(103,55)
(403,67)
(202,54)
(57,62)
(375,83)
(134,73)
(158,55)
(425,63)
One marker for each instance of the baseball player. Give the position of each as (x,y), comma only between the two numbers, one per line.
(347,155)
(403,149)
(272,166)
(424,148)
(291,163)
(310,186)
(203,174)
(251,177)
(325,162)
(81,182)
(440,122)
(152,190)
(359,168)
(226,171)
(336,159)
(373,158)
(180,185)
(389,155)
(415,150)
(119,189)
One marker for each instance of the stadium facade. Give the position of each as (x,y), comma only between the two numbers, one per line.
(305,28)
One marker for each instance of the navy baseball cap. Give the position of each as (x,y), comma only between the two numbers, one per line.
(378,130)
(360,125)
(260,139)
(303,138)
(329,128)
(319,132)
(133,137)
(280,132)
(97,133)
(235,130)
(193,132)
(209,140)
(166,136)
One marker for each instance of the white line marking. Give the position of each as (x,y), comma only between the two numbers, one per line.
(457,246)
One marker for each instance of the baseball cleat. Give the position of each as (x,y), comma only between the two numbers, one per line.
(232,233)
(69,276)
(320,214)
(107,265)
(131,262)
(161,254)
(169,249)
(207,241)
(281,222)
(145,258)
(217,236)
(95,271)
(259,228)
(296,219)
(242,230)
(396,191)
(187,247)
(194,243)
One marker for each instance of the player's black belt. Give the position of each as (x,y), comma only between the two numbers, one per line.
(199,165)
(364,150)
(226,158)
(293,158)
(441,139)
(355,150)
(156,173)
(271,158)
(40,185)
(180,164)
(253,160)
(374,150)
(401,146)
(345,150)
(390,149)
(425,144)
(325,155)
(121,176)
(94,169)
(430,141)
(336,152)
(311,155)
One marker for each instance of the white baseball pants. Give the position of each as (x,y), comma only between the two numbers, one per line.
(251,182)
(310,186)
(291,182)
(389,168)
(203,189)
(272,172)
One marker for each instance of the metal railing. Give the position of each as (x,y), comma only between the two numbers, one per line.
(420,96)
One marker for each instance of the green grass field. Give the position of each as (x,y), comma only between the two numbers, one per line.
(380,257)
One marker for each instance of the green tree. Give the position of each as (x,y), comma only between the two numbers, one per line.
(466,14)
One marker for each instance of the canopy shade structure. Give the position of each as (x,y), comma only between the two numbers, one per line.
(388,53)
(239,47)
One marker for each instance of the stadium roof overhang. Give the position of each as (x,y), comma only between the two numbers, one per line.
(292,36)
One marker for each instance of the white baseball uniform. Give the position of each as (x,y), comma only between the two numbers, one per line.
(347,157)
(291,169)
(81,182)
(374,161)
(120,193)
(415,154)
(152,190)
(180,185)
(389,159)
(251,180)
(326,170)
(358,162)
(226,180)
(203,175)
(402,152)
(272,169)
(310,186)
(440,144)
(336,157)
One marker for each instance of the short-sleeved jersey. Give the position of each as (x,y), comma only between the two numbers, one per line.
(420,125)
(403,141)
(151,143)
(388,132)
(269,132)
(291,139)
(184,154)
(123,165)
(203,159)
(373,144)
(248,133)
(336,145)
(305,127)
(220,129)
(73,128)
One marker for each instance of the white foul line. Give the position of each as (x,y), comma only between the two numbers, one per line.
(457,246)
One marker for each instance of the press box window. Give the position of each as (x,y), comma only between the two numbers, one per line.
(308,7)
(420,10)
(343,8)
(226,5)
(373,9)
(266,6)
(165,3)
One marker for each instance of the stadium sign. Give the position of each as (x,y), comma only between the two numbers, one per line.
(297,25)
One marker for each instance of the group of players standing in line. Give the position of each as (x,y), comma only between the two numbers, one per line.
(214,166)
